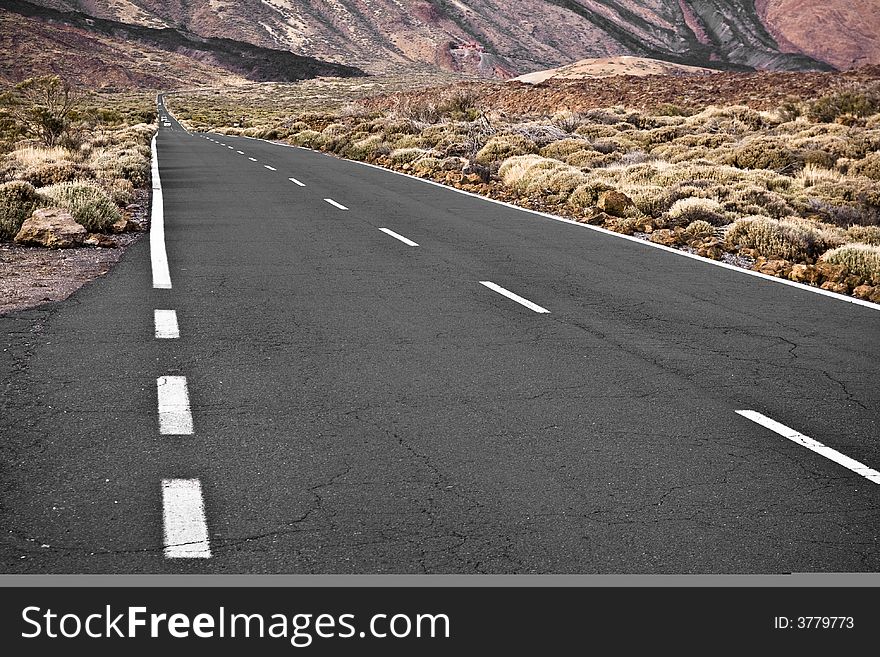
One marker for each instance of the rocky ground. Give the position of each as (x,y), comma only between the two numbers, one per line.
(33,275)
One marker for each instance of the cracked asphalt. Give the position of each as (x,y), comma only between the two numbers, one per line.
(361,406)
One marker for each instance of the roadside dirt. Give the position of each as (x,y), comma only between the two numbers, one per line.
(31,276)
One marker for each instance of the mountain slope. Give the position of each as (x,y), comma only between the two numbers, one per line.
(85,47)
(488,36)
(844,34)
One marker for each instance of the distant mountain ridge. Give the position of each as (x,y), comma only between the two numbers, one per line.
(97,44)
(511,38)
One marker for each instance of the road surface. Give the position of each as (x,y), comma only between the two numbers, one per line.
(359,372)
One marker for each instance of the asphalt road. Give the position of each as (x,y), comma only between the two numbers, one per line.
(360,405)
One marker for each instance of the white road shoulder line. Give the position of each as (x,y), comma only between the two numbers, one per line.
(297,182)
(397,236)
(158,254)
(166,324)
(515,297)
(175,418)
(184,523)
(252,159)
(270,168)
(814,445)
(335,204)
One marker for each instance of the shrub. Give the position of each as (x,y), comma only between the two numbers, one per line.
(406,155)
(864,234)
(687,210)
(868,167)
(564,147)
(428,165)
(135,168)
(587,194)
(766,154)
(308,138)
(86,201)
(860,259)
(50,173)
(797,241)
(857,103)
(121,191)
(368,148)
(18,200)
(501,147)
(699,230)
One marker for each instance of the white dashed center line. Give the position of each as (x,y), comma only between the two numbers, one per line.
(240,152)
(296,182)
(515,297)
(397,236)
(252,159)
(184,524)
(270,168)
(175,418)
(814,445)
(335,204)
(166,324)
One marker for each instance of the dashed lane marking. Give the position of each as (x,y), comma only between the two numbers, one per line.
(335,204)
(515,297)
(398,236)
(184,523)
(166,324)
(786,432)
(175,417)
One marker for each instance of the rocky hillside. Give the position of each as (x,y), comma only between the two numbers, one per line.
(844,34)
(506,39)
(105,53)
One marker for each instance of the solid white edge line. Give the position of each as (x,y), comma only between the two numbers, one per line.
(184,525)
(514,297)
(335,204)
(158,254)
(270,168)
(175,417)
(166,324)
(397,236)
(814,445)
(297,182)
(599,229)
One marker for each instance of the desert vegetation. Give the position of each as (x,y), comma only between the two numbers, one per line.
(86,154)
(790,190)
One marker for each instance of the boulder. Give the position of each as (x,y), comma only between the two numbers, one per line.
(773,267)
(801,273)
(665,236)
(831,286)
(51,227)
(614,202)
(594,219)
(867,292)
(100,240)
(830,272)
(125,224)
